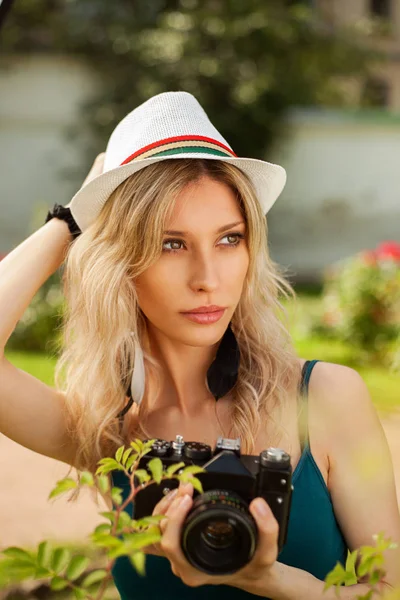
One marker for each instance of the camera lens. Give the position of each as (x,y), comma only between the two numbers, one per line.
(219,535)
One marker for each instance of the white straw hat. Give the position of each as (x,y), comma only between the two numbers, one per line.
(169,125)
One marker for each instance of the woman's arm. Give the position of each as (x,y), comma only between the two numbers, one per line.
(360,481)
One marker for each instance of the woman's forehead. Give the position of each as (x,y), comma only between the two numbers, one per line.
(206,203)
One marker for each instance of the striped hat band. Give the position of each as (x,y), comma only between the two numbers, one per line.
(183,144)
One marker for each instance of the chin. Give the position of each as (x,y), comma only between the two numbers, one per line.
(202,335)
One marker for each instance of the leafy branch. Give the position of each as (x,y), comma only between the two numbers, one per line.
(366,561)
(119,536)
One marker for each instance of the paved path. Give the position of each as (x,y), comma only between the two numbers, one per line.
(26,479)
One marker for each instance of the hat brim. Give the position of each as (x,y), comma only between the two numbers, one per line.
(268,179)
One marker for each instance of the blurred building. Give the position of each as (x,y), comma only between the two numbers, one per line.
(343,189)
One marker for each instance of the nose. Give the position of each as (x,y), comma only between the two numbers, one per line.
(204,275)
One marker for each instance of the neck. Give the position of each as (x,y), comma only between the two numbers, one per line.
(184,372)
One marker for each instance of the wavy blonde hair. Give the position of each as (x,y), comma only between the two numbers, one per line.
(102,317)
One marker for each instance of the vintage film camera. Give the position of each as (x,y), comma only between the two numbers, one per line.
(219,535)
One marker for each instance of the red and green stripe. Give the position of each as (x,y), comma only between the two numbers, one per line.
(184,144)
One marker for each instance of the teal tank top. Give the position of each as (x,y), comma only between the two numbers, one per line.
(314,542)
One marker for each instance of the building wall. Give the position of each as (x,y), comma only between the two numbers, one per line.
(39,100)
(343,189)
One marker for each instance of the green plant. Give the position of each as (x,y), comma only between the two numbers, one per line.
(366,561)
(361,299)
(38,329)
(120,535)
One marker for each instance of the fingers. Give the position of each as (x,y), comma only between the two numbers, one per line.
(268,529)
(162,506)
(172,525)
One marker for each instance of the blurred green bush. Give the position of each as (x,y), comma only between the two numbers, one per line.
(39,328)
(361,303)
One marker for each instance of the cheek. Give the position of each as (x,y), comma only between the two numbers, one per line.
(156,290)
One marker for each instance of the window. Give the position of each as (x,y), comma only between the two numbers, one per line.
(380,8)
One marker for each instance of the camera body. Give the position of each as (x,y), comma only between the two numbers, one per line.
(219,535)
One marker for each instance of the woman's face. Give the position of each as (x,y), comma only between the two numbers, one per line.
(204,262)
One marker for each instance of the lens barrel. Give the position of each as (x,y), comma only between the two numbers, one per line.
(219,535)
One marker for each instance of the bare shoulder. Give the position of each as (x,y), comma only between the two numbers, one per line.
(341,402)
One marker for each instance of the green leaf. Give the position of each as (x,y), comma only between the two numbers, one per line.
(136,447)
(77,566)
(142,475)
(109,514)
(116,495)
(103,528)
(15,552)
(351,562)
(45,553)
(197,485)
(131,460)
(350,579)
(138,560)
(94,577)
(139,444)
(124,519)
(156,468)
(103,483)
(42,572)
(152,520)
(172,469)
(366,596)
(119,453)
(109,465)
(105,540)
(194,469)
(149,444)
(125,455)
(17,567)
(79,593)
(60,560)
(376,576)
(58,583)
(336,576)
(87,478)
(63,486)
(137,541)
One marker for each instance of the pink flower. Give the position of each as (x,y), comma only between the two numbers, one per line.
(388,250)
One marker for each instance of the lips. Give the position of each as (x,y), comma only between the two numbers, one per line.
(204,309)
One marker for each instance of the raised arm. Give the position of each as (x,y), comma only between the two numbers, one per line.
(31,412)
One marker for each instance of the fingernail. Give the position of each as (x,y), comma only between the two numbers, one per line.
(185,501)
(260,507)
(172,494)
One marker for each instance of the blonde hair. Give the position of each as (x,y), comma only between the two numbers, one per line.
(102,317)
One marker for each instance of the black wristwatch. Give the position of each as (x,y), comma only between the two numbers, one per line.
(64,213)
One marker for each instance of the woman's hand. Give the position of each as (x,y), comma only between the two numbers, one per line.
(258,576)
(161,509)
(95,170)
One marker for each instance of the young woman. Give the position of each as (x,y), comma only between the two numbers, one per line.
(168,283)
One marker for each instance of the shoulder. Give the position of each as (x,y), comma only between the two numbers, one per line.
(341,401)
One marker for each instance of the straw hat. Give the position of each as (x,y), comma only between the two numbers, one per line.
(168,125)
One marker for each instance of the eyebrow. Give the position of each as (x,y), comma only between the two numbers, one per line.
(220,230)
